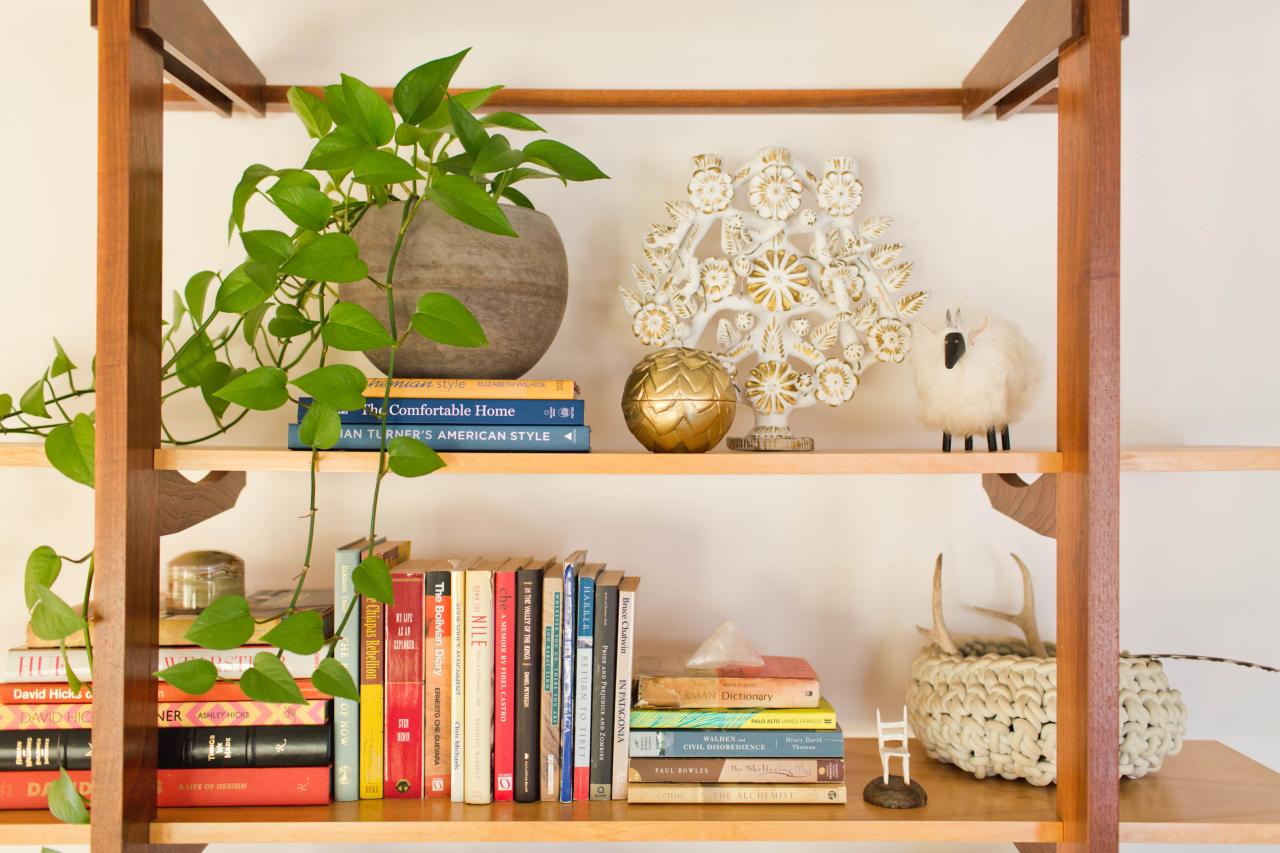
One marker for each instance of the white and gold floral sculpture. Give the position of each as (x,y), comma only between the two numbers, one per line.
(805,289)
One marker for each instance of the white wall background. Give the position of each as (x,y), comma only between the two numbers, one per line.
(836,569)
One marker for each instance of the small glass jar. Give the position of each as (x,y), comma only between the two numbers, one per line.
(196,578)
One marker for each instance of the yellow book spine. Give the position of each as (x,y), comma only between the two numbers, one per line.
(371,725)
(475,389)
(821,718)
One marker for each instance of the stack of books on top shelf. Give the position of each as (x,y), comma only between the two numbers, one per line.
(486,680)
(734,735)
(217,749)
(466,415)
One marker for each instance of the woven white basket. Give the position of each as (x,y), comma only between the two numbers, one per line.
(992,711)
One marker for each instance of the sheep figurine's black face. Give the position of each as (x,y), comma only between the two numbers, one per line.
(953,348)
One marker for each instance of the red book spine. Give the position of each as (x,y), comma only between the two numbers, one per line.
(504,685)
(402,777)
(227,786)
(438,684)
(58,693)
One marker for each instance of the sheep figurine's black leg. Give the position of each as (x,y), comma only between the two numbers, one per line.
(1004,437)
(968,442)
(991,440)
(946,442)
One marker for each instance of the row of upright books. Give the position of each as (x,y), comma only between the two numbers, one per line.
(217,749)
(465,415)
(486,680)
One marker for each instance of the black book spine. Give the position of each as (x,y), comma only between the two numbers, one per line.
(528,685)
(606,667)
(246,746)
(70,749)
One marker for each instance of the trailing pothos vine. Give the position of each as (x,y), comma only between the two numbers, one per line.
(258,336)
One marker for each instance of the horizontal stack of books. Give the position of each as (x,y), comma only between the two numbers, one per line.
(466,415)
(217,749)
(734,735)
(486,680)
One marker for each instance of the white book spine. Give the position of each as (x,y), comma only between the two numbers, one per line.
(458,646)
(622,691)
(478,728)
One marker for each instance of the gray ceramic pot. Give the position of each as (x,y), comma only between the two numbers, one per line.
(516,287)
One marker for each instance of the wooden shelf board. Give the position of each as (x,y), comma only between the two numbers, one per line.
(1207,794)
(39,828)
(1202,458)
(638,462)
(645,101)
(961,809)
(1133,460)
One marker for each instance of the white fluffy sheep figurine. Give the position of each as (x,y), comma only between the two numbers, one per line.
(973,380)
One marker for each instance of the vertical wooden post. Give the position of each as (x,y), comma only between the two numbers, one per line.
(126,541)
(1089,429)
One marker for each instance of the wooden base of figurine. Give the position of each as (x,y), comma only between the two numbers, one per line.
(771,438)
(895,795)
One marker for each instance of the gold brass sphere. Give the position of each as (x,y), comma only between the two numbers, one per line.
(679,400)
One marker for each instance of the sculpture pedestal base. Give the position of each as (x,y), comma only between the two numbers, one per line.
(769,438)
(896,795)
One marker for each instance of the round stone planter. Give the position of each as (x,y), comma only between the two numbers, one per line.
(515,287)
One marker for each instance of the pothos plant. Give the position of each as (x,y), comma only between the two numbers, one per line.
(256,337)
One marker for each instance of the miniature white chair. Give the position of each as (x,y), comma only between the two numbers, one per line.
(892,738)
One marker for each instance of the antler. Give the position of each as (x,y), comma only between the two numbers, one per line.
(939,634)
(1026,618)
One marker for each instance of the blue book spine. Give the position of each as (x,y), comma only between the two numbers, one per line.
(670,743)
(402,410)
(569,439)
(568,637)
(582,686)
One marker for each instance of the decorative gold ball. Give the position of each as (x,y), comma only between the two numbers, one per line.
(679,400)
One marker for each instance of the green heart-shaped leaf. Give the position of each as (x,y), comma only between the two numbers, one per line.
(466,201)
(225,624)
(190,676)
(420,92)
(261,389)
(268,246)
(369,114)
(409,457)
(515,121)
(563,160)
(352,328)
(301,632)
(304,206)
(339,385)
(311,110)
(442,318)
(329,257)
(268,680)
(383,167)
(332,677)
(373,578)
(244,191)
(32,400)
(51,617)
(321,426)
(246,287)
(339,150)
(289,322)
(65,801)
(196,291)
(61,363)
(69,448)
(43,567)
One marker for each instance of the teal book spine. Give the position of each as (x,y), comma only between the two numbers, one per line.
(736,744)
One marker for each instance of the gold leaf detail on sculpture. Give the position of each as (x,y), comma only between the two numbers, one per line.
(813,179)
(897,277)
(739,349)
(659,258)
(771,341)
(866,315)
(807,351)
(910,305)
(726,334)
(856,247)
(630,299)
(824,337)
(844,317)
(658,234)
(884,255)
(874,227)
(681,211)
(682,305)
(732,240)
(645,281)
(741,174)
